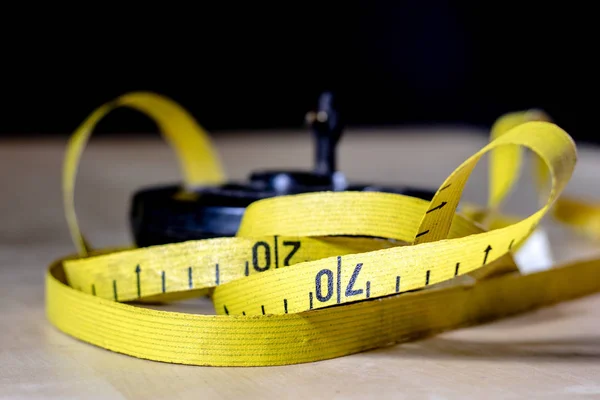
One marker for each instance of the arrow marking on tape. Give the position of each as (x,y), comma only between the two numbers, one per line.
(442,204)
(487,251)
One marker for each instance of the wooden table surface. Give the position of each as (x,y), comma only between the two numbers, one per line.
(552,353)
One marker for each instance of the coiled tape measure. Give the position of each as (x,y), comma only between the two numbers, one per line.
(316,274)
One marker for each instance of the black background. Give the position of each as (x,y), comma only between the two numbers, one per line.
(262,66)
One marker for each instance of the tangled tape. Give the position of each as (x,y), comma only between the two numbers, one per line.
(321,275)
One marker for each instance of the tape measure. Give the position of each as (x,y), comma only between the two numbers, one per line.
(314,276)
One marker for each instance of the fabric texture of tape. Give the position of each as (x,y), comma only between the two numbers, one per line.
(315,276)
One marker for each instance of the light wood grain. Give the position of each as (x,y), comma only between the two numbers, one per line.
(553,353)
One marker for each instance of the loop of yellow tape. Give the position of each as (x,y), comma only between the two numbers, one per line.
(432,259)
(199,162)
(505,162)
(390,264)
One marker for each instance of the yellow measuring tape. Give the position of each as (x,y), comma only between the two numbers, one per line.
(316,276)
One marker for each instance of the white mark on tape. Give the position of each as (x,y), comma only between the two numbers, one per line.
(535,254)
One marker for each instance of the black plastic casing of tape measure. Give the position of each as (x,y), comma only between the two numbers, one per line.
(161,215)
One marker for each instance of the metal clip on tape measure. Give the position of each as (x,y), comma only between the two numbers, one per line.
(161,215)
